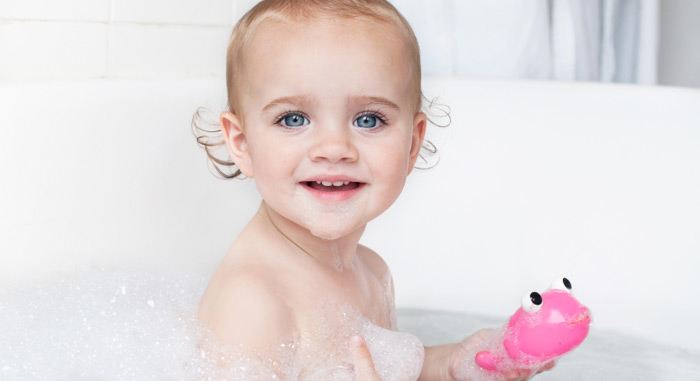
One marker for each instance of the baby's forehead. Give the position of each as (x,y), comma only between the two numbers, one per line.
(277,42)
(277,27)
(274,40)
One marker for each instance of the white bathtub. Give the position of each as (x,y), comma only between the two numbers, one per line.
(536,180)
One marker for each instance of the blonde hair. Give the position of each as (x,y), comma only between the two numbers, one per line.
(297,10)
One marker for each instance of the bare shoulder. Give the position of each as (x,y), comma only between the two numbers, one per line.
(381,285)
(374,262)
(245,306)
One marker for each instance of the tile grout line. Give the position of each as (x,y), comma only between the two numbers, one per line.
(108,44)
(38,20)
(111,22)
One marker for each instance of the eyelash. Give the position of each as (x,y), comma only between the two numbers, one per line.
(279,119)
(376,114)
(373,113)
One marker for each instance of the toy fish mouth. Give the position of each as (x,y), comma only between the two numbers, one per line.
(580,318)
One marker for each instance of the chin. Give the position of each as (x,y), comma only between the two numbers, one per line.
(333,228)
(332,223)
(330,233)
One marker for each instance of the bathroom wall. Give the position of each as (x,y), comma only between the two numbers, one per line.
(76,39)
(59,39)
(80,39)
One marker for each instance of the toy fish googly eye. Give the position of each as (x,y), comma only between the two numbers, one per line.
(531,302)
(561,284)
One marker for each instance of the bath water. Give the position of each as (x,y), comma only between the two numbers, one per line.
(603,355)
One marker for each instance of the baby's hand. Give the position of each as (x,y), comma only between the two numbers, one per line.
(364,367)
(462,364)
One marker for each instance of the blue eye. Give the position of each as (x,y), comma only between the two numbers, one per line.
(367,121)
(293,120)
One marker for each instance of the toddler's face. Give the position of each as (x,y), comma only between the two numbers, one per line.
(328,124)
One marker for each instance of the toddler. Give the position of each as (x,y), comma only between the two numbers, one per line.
(324,102)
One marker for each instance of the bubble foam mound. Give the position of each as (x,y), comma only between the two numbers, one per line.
(104,325)
(136,325)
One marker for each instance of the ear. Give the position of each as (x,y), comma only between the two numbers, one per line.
(419,125)
(236,142)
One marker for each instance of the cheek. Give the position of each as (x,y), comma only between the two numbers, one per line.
(266,153)
(397,154)
(273,173)
(391,163)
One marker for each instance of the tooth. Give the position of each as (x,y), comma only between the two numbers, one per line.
(346,182)
(338,183)
(318,182)
(326,183)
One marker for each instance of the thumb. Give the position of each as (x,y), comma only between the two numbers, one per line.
(364,367)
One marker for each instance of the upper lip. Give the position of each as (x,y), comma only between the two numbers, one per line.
(331,178)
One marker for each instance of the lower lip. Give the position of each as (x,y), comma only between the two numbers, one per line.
(335,196)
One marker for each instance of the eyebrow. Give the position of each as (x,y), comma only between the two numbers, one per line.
(295,99)
(356,100)
(374,100)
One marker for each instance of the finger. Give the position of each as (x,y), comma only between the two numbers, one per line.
(517,374)
(483,335)
(549,365)
(364,367)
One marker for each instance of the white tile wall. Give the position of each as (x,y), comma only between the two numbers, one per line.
(81,10)
(46,50)
(157,50)
(60,39)
(240,7)
(201,12)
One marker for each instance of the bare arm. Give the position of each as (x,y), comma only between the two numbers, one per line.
(436,363)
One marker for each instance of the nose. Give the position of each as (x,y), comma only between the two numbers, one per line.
(334,144)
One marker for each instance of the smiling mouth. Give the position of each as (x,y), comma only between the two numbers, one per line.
(333,186)
(583,317)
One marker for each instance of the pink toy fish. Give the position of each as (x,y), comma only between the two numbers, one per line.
(546,327)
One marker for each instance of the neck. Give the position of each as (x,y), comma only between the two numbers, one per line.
(337,253)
